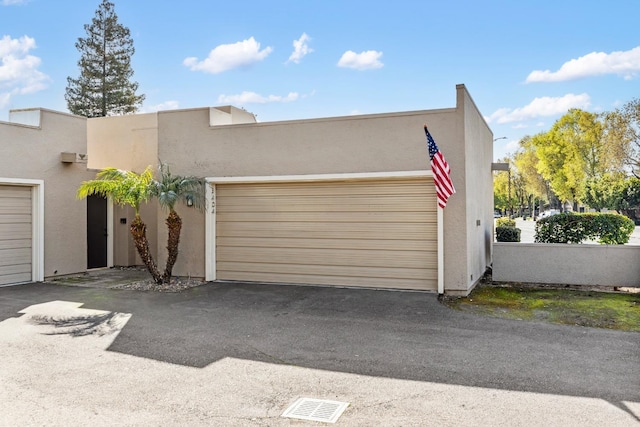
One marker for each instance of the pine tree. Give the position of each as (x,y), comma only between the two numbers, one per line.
(104,87)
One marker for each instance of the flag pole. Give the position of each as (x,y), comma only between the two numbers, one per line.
(444,189)
(440,213)
(440,222)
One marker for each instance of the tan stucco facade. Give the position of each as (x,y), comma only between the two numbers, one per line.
(229,142)
(32,151)
(352,144)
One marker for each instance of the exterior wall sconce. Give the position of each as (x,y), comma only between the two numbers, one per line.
(189,201)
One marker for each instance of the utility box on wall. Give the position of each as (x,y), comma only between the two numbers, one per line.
(73,158)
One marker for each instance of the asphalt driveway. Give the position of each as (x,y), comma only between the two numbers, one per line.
(240,354)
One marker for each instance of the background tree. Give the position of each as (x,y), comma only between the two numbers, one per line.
(627,199)
(603,192)
(572,152)
(526,160)
(127,188)
(169,189)
(104,86)
(565,176)
(622,130)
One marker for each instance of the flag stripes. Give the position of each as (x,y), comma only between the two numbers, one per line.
(441,171)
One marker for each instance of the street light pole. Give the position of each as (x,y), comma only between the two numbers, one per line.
(510,205)
(509,170)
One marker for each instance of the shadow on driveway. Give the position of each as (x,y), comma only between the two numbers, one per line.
(403,335)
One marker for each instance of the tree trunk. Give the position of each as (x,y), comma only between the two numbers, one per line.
(174,226)
(139,232)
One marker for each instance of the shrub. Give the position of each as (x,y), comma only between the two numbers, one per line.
(608,228)
(612,229)
(507,234)
(505,222)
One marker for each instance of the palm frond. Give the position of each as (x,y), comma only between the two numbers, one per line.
(123,187)
(169,189)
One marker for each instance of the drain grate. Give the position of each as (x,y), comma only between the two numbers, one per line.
(327,411)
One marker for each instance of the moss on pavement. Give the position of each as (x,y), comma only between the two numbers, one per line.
(571,307)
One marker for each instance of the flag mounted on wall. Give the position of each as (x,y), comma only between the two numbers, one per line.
(441,171)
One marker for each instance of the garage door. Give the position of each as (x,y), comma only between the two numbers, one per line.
(355,233)
(15,234)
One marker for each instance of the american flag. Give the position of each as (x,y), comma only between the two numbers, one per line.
(441,171)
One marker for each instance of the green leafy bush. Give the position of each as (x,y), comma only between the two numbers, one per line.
(607,228)
(505,222)
(507,234)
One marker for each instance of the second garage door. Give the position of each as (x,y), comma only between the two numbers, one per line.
(15,234)
(354,233)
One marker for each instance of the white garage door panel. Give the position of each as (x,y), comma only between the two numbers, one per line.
(356,233)
(15,234)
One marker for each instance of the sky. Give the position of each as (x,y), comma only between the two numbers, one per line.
(524,62)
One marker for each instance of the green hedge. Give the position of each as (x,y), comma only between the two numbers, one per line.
(507,234)
(607,228)
(505,222)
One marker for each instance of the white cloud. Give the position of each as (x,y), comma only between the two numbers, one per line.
(369,60)
(9,46)
(19,72)
(229,56)
(623,63)
(519,126)
(163,106)
(254,98)
(12,2)
(540,124)
(300,48)
(541,107)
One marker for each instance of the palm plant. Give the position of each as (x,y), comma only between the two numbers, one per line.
(169,189)
(127,188)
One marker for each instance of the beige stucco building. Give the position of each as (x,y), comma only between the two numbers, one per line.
(43,229)
(342,201)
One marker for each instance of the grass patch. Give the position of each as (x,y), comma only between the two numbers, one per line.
(571,307)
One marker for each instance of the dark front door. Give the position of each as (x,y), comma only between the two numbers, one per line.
(96,231)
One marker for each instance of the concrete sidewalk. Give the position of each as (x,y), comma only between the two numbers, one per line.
(239,355)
